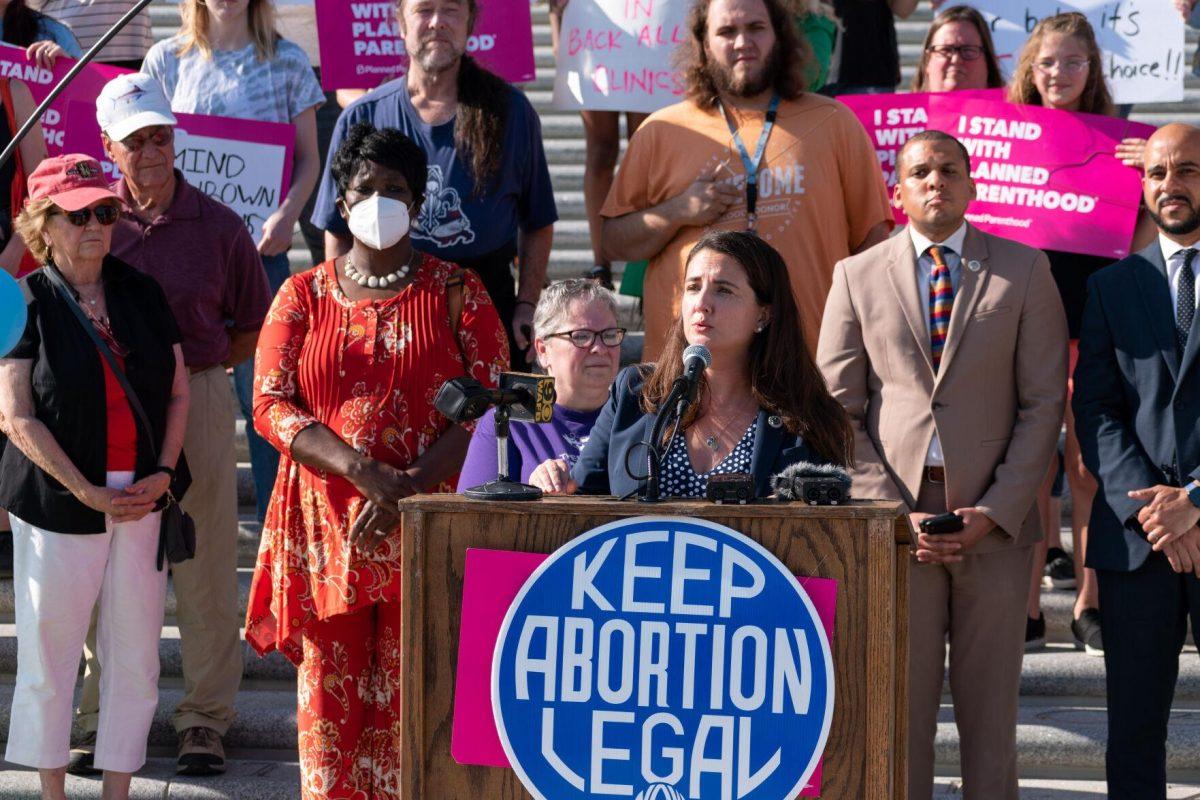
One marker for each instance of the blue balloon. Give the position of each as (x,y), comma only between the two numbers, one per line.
(12,313)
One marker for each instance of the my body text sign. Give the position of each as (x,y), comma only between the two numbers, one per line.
(361,47)
(83,89)
(615,55)
(663,657)
(245,164)
(1046,178)
(1142,41)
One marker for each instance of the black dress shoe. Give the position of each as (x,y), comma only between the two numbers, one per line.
(82,755)
(601,273)
(1035,633)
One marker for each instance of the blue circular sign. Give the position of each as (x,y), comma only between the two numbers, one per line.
(663,658)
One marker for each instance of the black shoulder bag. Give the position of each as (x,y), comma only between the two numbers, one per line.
(177,533)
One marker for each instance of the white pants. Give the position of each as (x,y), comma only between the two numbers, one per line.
(58,579)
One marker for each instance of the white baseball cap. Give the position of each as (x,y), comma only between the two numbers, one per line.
(131,102)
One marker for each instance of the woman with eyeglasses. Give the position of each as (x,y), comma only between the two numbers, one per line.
(1061,67)
(578,343)
(761,404)
(80,477)
(958,54)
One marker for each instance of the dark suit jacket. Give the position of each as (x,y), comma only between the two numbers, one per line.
(622,424)
(1136,401)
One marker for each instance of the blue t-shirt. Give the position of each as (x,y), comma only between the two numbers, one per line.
(454,224)
(51,30)
(529,444)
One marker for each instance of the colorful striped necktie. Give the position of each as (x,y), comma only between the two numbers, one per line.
(941,298)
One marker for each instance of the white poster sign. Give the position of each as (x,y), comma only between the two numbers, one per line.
(615,55)
(1142,41)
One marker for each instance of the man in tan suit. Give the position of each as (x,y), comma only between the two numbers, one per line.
(948,347)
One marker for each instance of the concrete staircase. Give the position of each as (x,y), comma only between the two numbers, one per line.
(1062,724)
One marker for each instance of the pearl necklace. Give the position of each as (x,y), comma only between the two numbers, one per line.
(378,281)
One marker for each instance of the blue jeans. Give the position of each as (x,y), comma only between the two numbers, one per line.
(264,459)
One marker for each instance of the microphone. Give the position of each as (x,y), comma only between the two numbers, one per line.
(696,359)
(526,397)
(815,484)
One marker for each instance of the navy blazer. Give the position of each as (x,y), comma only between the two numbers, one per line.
(622,424)
(1136,401)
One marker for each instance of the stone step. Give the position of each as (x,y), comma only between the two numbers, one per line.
(1057,788)
(1061,671)
(249,775)
(273,667)
(266,716)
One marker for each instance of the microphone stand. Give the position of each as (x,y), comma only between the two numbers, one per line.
(504,487)
(671,411)
(83,61)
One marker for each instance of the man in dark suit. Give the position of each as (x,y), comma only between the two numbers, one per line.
(1137,403)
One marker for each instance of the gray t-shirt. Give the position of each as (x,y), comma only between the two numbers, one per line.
(235,83)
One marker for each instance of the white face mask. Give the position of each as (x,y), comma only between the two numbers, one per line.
(379,222)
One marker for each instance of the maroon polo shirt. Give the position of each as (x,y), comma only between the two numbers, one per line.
(206,262)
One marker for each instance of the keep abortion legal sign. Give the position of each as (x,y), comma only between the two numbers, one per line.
(662,658)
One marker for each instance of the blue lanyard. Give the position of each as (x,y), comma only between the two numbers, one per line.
(751,165)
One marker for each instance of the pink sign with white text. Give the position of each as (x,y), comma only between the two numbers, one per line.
(84,88)
(1046,178)
(491,581)
(361,47)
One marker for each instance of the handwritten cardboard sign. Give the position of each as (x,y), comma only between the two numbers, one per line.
(615,55)
(1046,178)
(1142,42)
(361,46)
(492,580)
(84,89)
(245,164)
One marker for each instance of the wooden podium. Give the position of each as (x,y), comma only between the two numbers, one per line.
(863,546)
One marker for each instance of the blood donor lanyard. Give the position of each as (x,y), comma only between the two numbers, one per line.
(751,165)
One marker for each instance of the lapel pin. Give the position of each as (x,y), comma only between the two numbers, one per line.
(774,421)
(973,265)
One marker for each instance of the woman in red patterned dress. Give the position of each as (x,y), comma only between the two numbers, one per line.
(349,360)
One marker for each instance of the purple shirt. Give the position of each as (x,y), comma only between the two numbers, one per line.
(529,444)
(201,254)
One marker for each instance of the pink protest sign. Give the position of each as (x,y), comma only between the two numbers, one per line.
(491,581)
(1046,178)
(361,47)
(245,164)
(84,88)
(891,119)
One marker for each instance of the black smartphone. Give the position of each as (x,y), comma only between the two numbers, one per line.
(942,523)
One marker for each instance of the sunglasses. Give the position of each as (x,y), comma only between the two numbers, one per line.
(161,136)
(106,214)
(584,338)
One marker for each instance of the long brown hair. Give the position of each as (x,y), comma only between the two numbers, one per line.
(483,100)
(995,79)
(193,33)
(784,380)
(788,64)
(1095,98)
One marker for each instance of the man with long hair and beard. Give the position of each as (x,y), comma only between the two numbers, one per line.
(488,198)
(1136,403)
(747,149)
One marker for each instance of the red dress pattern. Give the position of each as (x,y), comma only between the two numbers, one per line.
(369,371)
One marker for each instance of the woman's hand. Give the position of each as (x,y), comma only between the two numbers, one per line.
(116,504)
(151,487)
(1129,152)
(44,53)
(553,476)
(373,524)
(382,484)
(276,235)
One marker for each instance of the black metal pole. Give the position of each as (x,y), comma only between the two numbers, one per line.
(84,60)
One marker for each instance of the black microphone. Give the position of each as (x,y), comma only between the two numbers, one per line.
(815,484)
(526,397)
(696,359)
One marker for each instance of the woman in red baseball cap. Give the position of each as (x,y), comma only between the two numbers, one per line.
(87,474)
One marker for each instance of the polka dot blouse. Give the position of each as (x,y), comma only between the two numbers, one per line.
(679,479)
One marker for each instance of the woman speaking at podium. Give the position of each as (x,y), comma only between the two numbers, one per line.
(761,404)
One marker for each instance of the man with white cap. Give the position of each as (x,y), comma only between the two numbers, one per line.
(203,256)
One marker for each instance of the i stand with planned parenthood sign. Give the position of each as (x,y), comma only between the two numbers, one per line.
(663,657)
(684,640)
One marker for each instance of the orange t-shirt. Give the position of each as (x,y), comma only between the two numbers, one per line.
(820,192)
